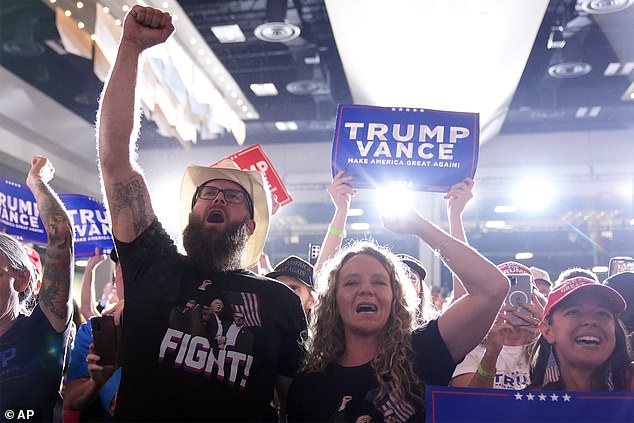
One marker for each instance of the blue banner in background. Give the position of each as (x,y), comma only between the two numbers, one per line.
(445,404)
(422,149)
(92,227)
(19,216)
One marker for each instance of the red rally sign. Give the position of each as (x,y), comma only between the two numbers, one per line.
(253,158)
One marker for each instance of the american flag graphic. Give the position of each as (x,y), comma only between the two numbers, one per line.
(396,408)
(552,369)
(248,304)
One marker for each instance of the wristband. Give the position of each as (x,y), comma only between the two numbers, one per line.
(341,233)
(484,373)
(440,251)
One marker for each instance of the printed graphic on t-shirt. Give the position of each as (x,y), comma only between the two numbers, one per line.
(10,367)
(212,333)
(393,408)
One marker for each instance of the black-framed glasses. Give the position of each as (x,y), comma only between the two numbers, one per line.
(233,196)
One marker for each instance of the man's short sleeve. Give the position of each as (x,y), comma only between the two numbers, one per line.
(292,353)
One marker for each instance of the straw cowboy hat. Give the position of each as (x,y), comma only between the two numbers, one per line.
(253,183)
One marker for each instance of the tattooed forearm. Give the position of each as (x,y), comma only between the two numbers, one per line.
(55,219)
(55,292)
(131,197)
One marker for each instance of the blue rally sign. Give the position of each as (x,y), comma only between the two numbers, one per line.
(91,223)
(422,149)
(20,217)
(445,404)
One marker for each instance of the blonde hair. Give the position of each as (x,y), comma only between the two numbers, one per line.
(325,343)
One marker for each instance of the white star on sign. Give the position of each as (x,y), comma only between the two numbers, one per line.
(566,398)
(518,396)
(542,397)
(530,397)
(393,109)
(554,397)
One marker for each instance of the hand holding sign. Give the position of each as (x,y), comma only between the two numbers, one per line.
(423,149)
(340,191)
(406,222)
(458,196)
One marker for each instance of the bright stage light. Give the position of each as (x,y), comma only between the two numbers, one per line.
(394,199)
(534,193)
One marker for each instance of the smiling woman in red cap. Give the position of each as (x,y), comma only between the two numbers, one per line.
(582,345)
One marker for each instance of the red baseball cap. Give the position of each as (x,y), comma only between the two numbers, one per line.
(570,286)
(34,256)
(514,268)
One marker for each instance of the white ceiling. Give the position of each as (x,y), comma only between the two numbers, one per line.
(458,55)
(470,57)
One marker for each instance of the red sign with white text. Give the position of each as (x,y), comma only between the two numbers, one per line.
(253,158)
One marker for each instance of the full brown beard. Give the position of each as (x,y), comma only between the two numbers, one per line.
(213,249)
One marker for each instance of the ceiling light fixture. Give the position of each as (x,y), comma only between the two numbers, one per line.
(360,226)
(569,70)
(228,33)
(601,7)
(526,255)
(497,224)
(276,29)
(286,126)
(263,90)
(618,69)
(556,38)
(505,209)
(600,269)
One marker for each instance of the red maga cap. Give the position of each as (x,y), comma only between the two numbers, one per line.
(570,286)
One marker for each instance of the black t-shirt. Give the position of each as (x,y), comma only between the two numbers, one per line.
(347,393)
(173,367)
(31,365)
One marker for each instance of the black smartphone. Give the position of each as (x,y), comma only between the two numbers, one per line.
(620,264)
(105,337)
(519,293)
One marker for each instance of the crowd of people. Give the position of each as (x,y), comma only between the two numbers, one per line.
(355,338)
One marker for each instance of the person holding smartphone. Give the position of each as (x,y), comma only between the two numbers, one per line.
(32,344)
(501,359)
(91,388)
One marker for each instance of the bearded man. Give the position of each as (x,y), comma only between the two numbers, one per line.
(173,372)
